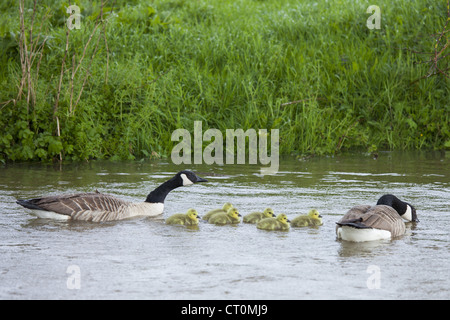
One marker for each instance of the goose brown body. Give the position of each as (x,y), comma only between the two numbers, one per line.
(380,217)
(98,207)
(94,207)
(382,221)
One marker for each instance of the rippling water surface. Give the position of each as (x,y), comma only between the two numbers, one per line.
(145,259)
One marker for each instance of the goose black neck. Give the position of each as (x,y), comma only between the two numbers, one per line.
(394,202)
(159,194)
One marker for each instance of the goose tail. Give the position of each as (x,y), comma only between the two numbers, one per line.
(355,223)
(30,204)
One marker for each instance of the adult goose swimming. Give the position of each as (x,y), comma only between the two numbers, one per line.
(382,221)
(99,207)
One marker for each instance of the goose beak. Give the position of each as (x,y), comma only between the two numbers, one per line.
(239,215)
(288,220)
(200,179)
(198,217)
(320,216)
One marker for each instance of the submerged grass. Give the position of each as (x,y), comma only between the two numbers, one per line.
(311,69)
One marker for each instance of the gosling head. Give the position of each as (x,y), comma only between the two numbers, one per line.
(283,218)
(314,214)
(193,215)
(268,213)
(227,206)
(233,213)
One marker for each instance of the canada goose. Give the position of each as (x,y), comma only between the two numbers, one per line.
(227,206)
(221,218)
(188,219)
(100,207)
(255,217)
(382,221)
(281,222)
(313,218)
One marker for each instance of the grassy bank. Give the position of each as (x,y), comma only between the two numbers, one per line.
(311,69)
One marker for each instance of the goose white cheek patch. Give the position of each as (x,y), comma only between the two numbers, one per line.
(186,180)
(408,214)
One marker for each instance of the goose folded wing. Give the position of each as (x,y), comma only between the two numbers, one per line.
(356,212)
(384,218)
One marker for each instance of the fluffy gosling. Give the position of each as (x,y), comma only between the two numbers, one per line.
(281,222)
(313,218)
(188,219)
(255,217)
(221,218)
(227,206)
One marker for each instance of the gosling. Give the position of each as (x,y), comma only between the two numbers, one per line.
(312,219)
(188,219)
(281,222)
(231,217)
(227,206)
(255,217)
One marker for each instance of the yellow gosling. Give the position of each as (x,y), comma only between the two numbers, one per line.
(312,219)
(227,206)
(231,217)
(188,219)
(281,222)
(255,217)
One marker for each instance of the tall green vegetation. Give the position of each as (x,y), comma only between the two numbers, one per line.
(137,70)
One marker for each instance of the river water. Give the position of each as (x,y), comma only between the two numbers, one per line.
(143,258)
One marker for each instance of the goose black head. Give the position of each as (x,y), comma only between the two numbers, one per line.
(404,209)
(188,178)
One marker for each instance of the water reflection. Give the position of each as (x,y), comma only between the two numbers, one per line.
(56,225)
(369,248)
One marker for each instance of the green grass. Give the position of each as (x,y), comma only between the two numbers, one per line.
(231,64)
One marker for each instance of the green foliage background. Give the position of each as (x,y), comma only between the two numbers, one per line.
(231,64)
